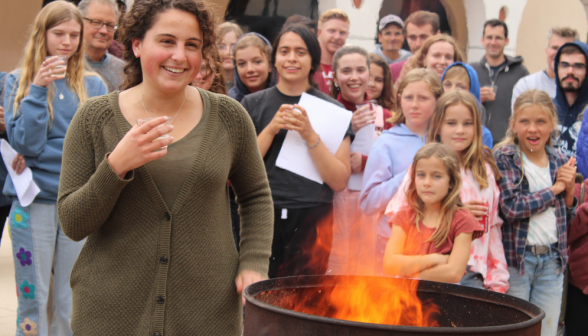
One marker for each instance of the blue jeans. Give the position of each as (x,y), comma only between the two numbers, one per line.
(542,284)
(38,244)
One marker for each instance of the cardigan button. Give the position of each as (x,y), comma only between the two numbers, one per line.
(160,299)
(167,216)
(164,259)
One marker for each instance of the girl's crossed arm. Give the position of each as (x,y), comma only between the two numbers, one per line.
(454,269)
(395,263)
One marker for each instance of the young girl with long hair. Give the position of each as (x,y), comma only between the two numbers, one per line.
(456,123)
(253,66)
(437,53)
(152,197)
(537,204)
(211,81)
(380,86)
(432,236)
(300,205)
(393,151)
(41,98)
(227,35)
(352,232)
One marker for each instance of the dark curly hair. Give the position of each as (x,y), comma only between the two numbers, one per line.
(141,18)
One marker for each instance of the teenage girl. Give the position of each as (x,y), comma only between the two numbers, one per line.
(213,82)
(537,204)
(253,67)
(353,237)
(437,53)
(432,236)
(300,205)
(41,99)
(393,151)
(456,123)
(227,35)
(380,85)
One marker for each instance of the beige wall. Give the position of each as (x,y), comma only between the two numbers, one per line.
(538,17)
(16,17)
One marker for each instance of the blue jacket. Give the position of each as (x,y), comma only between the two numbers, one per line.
(239,90)
(390,156)
(569,117)
(475,90)
(582,145)
(3,171)
(30,134)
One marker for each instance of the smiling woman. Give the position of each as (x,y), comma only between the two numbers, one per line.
(437,53)
(144,176)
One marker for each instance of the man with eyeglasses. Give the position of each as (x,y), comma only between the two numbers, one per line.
(571,95)
(545,80)
(100,18)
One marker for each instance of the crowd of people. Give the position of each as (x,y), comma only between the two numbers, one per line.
(161,198)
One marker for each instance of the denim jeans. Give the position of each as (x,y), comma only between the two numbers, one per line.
(472,279)
(38,244)
(542,284)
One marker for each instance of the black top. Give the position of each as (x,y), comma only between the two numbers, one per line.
(289,190)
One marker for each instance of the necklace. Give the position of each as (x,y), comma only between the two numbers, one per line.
(60,95)
(172,121)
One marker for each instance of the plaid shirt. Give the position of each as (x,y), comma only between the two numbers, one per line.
(518,204)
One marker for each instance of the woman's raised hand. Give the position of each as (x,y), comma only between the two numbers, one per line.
(362,117)
(44,76)
(140,146)
(279,121)
(298,121)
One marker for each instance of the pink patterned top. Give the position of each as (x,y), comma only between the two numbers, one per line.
(487,253)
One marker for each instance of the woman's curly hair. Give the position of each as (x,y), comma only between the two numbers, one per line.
(141,18)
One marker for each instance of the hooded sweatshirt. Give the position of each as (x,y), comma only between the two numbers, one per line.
(568,117)
(403,55)
(475,90)
(498,111)
(239,90)
(391,154)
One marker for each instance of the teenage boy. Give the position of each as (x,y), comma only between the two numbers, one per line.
(333,29)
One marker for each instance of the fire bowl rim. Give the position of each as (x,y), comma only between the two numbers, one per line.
(446,288)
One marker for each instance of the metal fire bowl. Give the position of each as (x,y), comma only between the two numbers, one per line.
(463,310)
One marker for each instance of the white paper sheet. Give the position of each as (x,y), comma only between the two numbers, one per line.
(26,188)
(329,121)
(364,139)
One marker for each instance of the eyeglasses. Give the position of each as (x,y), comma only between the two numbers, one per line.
(97,24)
(577,67)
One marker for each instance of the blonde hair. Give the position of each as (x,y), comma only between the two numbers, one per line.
(476,155)
(35,53)
(450,203)
(416,75)
(418,61)
(527,99)
(333,14)
(226,27)
(252,40)
(458,72)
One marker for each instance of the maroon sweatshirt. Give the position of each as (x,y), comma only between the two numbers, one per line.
(578,245)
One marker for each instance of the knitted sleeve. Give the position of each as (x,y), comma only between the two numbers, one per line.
(87,192)
(249,180)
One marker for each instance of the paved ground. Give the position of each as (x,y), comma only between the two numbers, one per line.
(7,288)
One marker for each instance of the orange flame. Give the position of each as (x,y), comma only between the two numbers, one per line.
(380,300)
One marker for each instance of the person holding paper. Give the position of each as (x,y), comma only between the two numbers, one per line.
(393,151)
(301,206)
(41,99)
(353,237)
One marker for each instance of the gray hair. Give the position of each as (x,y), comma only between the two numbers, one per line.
(83,6)
(565,32)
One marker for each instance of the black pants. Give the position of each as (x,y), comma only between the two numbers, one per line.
(235,218)
(576,312)
(4,212)
(295,248)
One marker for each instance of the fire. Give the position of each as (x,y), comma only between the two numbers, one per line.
(368,299)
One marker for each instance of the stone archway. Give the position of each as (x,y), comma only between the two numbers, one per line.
(456,15)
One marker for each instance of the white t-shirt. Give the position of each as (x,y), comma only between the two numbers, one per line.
(538,81)
(542,226)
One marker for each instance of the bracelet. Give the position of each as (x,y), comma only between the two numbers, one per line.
(316,144)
